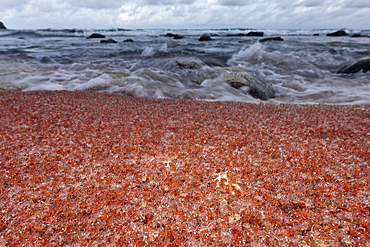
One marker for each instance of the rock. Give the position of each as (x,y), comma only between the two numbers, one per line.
(363,64)
(128,40)
(190,63)
(205,37)
(178,36)
(96,36)
(257,87)
(271,39)
(46,60)
(255,34)
(108,41)
(357,35)
(338,33)
(169,35)
(2,25)
(316,34)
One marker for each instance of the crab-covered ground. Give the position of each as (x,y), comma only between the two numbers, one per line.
(92,168)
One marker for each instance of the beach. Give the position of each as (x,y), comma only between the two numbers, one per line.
(82,168)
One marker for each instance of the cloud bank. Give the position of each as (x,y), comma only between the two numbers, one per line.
(262,14)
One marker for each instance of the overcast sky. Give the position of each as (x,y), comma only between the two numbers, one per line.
(260,14)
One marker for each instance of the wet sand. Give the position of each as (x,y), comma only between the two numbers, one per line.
(88,168)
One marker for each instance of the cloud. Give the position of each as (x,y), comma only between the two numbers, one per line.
(262,14)
(357,4)
(310,3)
(168,2)
(96,4)
(233,2)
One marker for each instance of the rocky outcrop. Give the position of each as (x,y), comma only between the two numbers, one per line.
(2,26)
(257,87)
(361,65)
(271,39)
(96,36)
(128,40)
(338,33)
(205,37)
(108,41)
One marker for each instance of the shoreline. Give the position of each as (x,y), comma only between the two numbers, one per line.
(82,167)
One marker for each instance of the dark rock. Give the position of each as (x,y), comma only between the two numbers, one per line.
(2,25)
(363,64)
(257,87)
(338,33)
(255,34)
(108,41)
(316,34)
(128,40)
(271,39)
(169,35)
(205,37)
(215,34)
(178,36)
(46,60)
(96,36)
(357,35)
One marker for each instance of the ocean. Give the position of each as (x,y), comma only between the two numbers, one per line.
(301,68)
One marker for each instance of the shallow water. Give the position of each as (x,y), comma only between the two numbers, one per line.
(302,68)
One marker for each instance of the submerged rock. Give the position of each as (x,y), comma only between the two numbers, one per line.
(128,40)
(257,87)
(255,34)
(178,36)
(205,37)
(108,41)
(338,33)
(363,64)
(2,25)
(271,39)
(96,36)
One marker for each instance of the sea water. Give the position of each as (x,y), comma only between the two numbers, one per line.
(301,69)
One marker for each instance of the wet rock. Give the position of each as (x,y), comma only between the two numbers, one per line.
(2,26)
(178,36)
(361,65)
(357,35)
(271,39)
(257,87)
(170,35)
(255,34)
(46,60)
(108,41)
(338,33)
(205,37)
(316,34)
(96,36)
(190,63)
(128,40)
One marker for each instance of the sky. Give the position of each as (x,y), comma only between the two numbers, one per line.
(259,14)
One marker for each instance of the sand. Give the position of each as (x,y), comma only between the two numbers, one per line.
(90,169)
